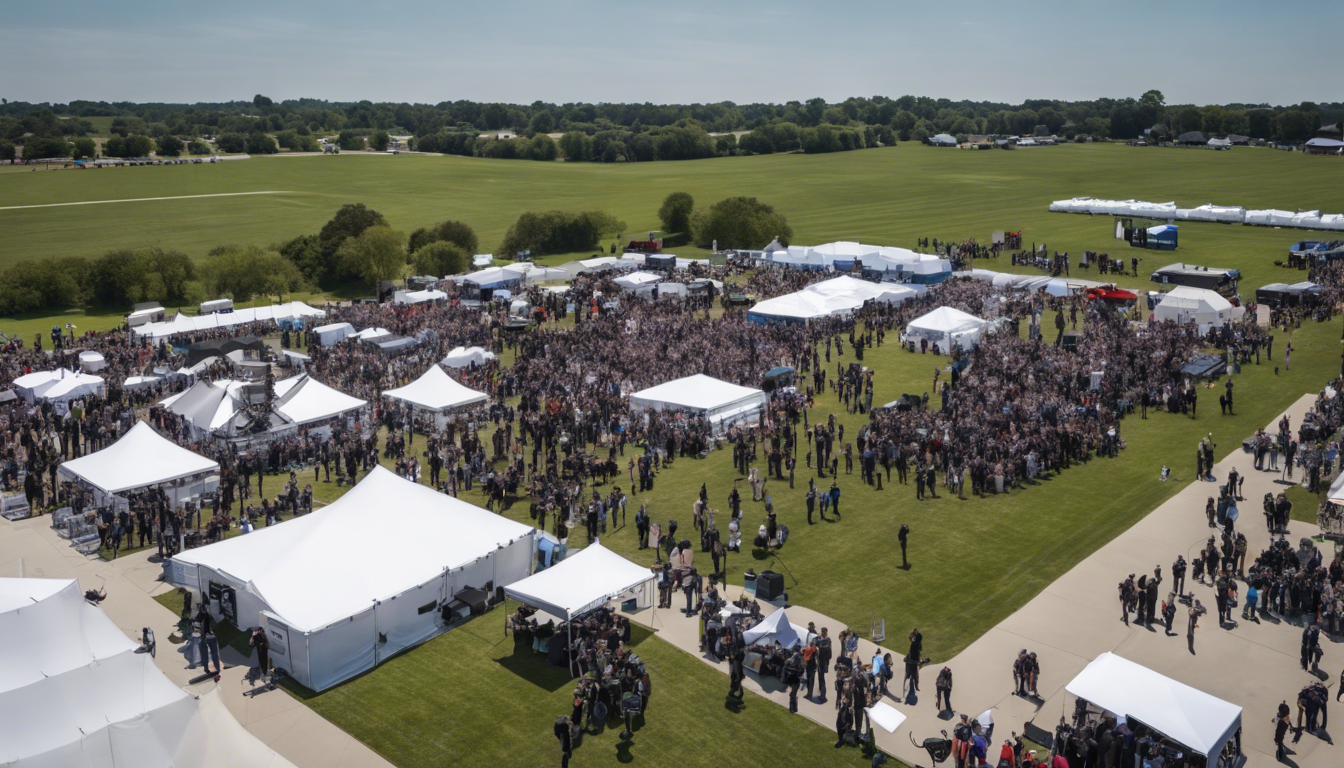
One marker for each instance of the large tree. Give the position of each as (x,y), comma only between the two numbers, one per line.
(169,146)
(378,253)
(247,272)
(441,258)
(740,222)
(675,212)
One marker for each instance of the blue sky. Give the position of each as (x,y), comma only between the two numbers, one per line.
(689,51)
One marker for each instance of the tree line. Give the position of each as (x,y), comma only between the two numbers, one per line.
(636,132)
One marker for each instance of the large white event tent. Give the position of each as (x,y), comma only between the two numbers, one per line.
(436,391)
(1201,722)
(75,692)
(584,581)
(140,459)
(404,551)
(219,408)
(294,311)
(945,327)
(837,296)
(462,357)
(1225,214)
(1199,306)
(59,385)
(637,280)
(720,402)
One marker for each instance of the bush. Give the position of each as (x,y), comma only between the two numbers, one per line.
(233,143)
(170,146)
(558,232)
(379,140)
(123,277)
(246,272)
(440,258)
(456,232)
(261,144)
(351,141)
(27,286)
(739,222)
(198,147)
(43,147)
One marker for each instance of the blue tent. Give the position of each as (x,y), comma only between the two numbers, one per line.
(1162,238)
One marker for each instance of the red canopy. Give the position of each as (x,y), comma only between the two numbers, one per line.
(1112,294)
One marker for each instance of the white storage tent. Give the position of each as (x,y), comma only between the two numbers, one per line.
(946,327)
(461,357)
(294,311)
(584,581)
(140,459)
(418,297)
(1332,221)
(1270,217)
(720,402)
(370,334)
(1201,722)
(436,391)
(636,280)
(1199,306)
(76,693)
(1307,220)
(800,306)
(333,333)
(410,551)
(91,362)
(1227,214)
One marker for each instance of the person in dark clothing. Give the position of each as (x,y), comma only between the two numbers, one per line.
(793,677)
(824,660)
(1280,730)
(903,536)
(943,687)
(263,647)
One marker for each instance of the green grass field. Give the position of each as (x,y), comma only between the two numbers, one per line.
(974,561)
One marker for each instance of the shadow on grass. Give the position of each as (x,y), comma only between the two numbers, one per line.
(534,668)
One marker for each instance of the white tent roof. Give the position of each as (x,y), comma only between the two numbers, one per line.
(696,393)
(370,333)
(777,628)
(1194,718)
(492,276)
(1195,299)
(59,384)
(307,400)
(854,288)
(637,279)
(294,310)
(584,580)
(1336,493)
(141,458)
(76,693)
(418,297)
(399,534)
(946,320)
(598,263)
(803,305)
(461,357)
(436,391)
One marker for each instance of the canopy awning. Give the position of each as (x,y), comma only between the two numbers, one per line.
(1187,715)
(436,391)
(140,459)
(583,581)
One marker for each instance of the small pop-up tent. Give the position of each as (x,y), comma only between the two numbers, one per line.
(77,692)
(946,327)
(140,459)
(330,618)
(720,402)
(1201,722)
(436,391)
(776,628)
(584,581)
(636,280)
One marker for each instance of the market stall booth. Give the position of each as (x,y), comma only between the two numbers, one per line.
(1197,306)
(1183,716)
(77,692)
(945,328)
(436,392)
(377,571)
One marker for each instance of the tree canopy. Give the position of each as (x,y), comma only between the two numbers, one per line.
(739,222)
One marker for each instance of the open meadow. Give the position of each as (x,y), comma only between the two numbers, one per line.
(975,561)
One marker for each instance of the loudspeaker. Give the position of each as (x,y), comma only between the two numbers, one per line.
(1071,340)
(769,585)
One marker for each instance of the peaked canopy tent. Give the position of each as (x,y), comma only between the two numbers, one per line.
(1199,306)
(637,280)
(1201,722)
(436,391)
(75,692)
(777,628)
(306,400)
(142,458)
(947,327)
(837,296)
(293,313)
(718,401)
(330,618)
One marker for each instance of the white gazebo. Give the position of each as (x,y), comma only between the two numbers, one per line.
(436,391)
(946,327)
(142,458)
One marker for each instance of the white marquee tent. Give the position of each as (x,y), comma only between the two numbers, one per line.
(636,280)
(1198,306)
(436,391)
(720,402)
(947,326)
(140,459)
(418,297)
(307,400)
(585,580)
(219,408)
(461,357)
(59,385)
(294,311)
(409,550)
(91,362)
(837,296)
(76,693)
(1189,716)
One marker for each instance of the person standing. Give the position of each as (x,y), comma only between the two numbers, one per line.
(835,499)
(824,660)
(903,536)
(263,647)
(811,499)
(943,690)
(810,667)
(793,675)
(1178,575)
(205,624)
(1280,731)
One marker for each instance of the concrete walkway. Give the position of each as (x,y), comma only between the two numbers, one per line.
(30,548)
(1076,619)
